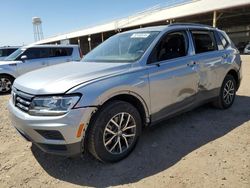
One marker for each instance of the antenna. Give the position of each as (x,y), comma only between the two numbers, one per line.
(37,28)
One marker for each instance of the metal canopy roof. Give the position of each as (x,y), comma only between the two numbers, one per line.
(155,15)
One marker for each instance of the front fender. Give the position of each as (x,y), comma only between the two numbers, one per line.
(97,93)
(8,71)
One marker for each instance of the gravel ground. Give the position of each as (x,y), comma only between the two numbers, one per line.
(202,148)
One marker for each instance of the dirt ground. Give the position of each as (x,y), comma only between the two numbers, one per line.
(202,148)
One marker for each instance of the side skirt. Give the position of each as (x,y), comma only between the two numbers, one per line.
(186,105)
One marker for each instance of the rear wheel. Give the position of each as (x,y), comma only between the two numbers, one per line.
(227,93)
(114,131)
(5,84)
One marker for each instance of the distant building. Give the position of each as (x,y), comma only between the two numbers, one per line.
(233,16)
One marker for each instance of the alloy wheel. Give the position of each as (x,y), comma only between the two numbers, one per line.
(229,92)
(5,85)
(119,133)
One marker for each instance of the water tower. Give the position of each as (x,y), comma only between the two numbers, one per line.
(37,27)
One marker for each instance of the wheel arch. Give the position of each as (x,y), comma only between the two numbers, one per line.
(234,73)
(127,96)
(7,74)
(132,98)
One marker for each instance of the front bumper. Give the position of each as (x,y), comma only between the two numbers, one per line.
(55,135)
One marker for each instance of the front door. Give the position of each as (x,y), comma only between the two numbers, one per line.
(173,76)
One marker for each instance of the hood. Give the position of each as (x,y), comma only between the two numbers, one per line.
(60,78)
(8,62)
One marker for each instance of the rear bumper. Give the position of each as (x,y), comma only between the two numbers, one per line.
(54,135)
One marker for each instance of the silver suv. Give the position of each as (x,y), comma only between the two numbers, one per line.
(29,58)
(132,80)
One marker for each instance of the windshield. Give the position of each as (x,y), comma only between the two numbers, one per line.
(125,47)
(14,55)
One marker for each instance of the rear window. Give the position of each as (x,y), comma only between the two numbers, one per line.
(59,52)
(204,41)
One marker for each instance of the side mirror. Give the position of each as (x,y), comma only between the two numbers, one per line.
(24,57)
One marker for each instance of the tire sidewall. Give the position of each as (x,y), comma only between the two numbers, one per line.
(101,121)
(11,80)
(227,78)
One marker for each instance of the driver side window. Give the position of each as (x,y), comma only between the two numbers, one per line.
(173,45)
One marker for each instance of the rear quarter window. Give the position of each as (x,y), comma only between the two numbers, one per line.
(223,40)
(204,41)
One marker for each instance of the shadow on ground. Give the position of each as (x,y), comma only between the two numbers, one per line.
(159,148)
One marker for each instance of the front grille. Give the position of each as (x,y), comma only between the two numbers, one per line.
(50,134)
(21,100)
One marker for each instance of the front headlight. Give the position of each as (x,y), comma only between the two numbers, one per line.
(53,105)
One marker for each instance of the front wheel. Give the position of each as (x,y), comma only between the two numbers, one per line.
(5,84)
(114,131)
(227,93)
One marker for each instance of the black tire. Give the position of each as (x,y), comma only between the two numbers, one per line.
(100,124)
(6,89)
(222,102)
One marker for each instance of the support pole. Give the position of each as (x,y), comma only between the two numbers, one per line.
(79,42)
(215,18)
(102,37)
(89,39)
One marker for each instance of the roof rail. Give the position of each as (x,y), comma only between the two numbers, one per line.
(190,24)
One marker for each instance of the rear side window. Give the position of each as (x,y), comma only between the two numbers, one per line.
(204,41)
(60,52)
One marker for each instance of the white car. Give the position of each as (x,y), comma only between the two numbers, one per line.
(29,58)
(6,51)
(247,49)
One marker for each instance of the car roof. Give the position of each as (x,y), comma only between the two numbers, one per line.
(169,26)
(50,46)
(9,47)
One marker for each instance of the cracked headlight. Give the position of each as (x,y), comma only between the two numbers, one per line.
(52,105)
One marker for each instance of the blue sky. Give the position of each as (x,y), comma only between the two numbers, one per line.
(60,16)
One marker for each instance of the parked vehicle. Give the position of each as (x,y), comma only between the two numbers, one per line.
(30,58)
(132,80)
(6,51)
(247,49)
(241,46)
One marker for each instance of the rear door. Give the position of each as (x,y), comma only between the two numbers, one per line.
(36,59)
(60,55)
(210,61)
(173,75)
